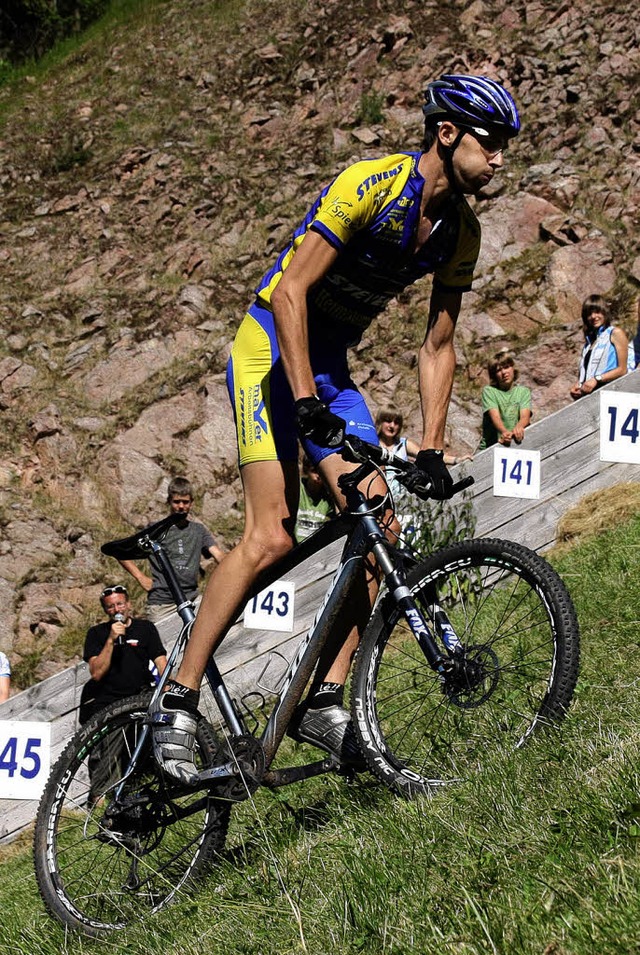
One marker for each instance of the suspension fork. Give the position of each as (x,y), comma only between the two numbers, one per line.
(396,580)
(394,573)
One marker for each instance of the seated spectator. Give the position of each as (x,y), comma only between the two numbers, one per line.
(316,505)
(185,544)
(122,654)
(5,677)
(606,348)
(506,406)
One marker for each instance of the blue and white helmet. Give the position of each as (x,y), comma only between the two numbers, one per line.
(473,101)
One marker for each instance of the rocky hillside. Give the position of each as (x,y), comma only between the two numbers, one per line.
(148,180)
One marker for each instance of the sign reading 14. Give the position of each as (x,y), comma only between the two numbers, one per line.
(620,427)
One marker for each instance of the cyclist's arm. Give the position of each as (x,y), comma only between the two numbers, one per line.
(312,259)
(437,364)
(145,581)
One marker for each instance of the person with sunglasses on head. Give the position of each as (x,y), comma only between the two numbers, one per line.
(380,226)
(120,653)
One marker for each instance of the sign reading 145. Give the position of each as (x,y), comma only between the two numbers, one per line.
(25,755)
(620,427)
(272,608)
(516,473)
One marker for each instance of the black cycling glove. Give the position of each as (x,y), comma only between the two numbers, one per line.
(432,464)
(316,422)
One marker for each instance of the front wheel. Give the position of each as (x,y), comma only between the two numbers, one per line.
(514,671)
(109,852)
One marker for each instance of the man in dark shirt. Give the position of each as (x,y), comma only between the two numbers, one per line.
(185,544)
(120,654)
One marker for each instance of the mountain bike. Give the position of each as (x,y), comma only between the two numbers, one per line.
(468,650)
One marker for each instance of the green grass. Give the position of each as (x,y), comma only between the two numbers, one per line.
(536,854)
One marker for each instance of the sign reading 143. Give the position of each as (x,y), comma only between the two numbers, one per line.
(620,427)
(516,473)
(25,755)
(272,608)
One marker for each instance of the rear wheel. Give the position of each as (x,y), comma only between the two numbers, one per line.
(514,673)
(105,857)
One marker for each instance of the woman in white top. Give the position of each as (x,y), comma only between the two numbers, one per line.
(604,356)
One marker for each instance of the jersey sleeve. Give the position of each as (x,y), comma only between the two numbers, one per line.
(489,398)
(357,195)
(457,274)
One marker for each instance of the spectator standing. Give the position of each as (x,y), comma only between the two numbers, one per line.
(5,677)
(315,505)
(506,406)
(186,543)
(606,349)
(389,424)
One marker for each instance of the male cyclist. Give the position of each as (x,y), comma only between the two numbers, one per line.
(377,228)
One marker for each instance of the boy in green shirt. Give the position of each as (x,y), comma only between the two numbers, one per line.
(506,406)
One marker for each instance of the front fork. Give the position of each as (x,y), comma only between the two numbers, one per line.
(396,580)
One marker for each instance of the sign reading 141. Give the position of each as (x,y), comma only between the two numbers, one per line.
(620,427)
(516,473)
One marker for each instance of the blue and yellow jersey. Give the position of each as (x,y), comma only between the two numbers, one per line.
(370,213)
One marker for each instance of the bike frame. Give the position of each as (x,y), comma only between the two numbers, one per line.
(364,536)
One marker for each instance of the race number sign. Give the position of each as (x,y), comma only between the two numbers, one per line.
(25,757)
(516,473)
(620,427)
(272,608)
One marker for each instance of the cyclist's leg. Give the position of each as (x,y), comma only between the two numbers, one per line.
(268,459)
(271,500)
(322,720)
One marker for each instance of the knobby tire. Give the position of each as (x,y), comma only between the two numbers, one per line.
(515,619)
(100,867)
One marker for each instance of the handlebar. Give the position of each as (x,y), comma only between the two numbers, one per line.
(362,452)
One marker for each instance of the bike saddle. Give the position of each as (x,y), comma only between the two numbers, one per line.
(137,546)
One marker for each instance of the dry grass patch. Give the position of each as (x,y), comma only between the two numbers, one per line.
(597,512)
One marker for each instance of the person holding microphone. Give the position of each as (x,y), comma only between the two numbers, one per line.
(120,654)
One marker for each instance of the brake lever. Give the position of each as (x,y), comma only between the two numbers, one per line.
(423,491)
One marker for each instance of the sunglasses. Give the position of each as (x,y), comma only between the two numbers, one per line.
(118,589)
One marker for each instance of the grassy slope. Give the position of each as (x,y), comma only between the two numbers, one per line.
(537,854)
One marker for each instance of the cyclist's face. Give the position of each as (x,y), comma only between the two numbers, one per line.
(180,503)
(477,159)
